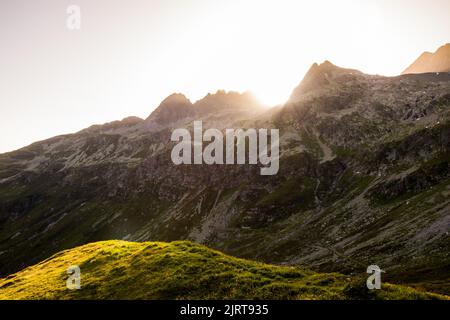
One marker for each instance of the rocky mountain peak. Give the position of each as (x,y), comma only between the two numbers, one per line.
(427,62)
(176,98)
(223,101)
(173,108)
(444,48)
(319,76)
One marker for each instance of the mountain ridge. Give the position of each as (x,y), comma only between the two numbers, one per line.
(319,75)
(438,61)
(364,178)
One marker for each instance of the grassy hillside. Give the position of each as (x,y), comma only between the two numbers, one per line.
(181,270)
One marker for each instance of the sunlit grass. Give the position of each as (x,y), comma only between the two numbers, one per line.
(181,270)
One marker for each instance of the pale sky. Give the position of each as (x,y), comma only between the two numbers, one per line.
(129,55)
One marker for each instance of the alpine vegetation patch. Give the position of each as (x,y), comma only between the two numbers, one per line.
(231,149)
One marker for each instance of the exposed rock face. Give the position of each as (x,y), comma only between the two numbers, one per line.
(172,109)
(431,62)
(319,76)
(226,101)
(364,179)
(219,109)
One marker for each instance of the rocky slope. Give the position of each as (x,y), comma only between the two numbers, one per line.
(364,179)
(438,61)
(182,270)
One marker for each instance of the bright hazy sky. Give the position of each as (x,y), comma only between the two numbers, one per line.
(129,55)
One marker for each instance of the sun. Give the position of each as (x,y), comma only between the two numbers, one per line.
(271,97)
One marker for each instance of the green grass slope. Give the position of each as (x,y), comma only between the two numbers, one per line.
(181,270)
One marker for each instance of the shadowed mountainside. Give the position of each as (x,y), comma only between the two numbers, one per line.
(364,179)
